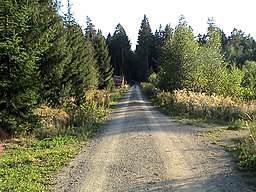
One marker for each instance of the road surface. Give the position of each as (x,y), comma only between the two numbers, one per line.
(140,149)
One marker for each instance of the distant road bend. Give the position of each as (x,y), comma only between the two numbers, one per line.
(139,149)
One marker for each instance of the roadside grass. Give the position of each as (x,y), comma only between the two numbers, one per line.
(28,163)
(201,109)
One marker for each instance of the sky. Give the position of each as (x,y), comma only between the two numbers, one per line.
(106,14)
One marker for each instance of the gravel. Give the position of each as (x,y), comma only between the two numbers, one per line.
(140,149)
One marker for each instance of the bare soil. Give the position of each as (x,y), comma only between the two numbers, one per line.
(140,149)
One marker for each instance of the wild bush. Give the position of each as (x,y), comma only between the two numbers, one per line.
(247,150)
(75,117)
(201,105)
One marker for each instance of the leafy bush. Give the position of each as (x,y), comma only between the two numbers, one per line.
(247,150)
(66,120)
(201,105)
(148,88)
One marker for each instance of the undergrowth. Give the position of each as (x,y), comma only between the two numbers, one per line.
(28,163)
(236,113)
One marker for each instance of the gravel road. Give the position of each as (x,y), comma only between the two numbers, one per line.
(139,149)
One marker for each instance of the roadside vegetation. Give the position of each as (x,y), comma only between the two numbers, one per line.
(211,78)
(27,163)
(56,83)
(234,114)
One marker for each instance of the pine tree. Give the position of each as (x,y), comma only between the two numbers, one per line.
(143,52)
(20,49)
(160,39)
(79,73)
(103,62)
(54,60)
(120,51)
(101,56)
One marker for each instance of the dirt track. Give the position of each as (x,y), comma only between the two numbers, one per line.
(140,149)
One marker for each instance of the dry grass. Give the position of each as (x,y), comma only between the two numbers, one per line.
(201,105)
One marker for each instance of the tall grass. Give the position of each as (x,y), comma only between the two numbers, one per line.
(246,152)
(201,105)
(75,117)
(213,107)
(28,163)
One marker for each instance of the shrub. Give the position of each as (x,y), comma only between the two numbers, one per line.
(247,150)
(67,120)
(201,105)
(148,88)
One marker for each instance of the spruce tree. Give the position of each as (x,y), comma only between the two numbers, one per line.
(21,47)
(103,62)
(120,51)
(144,58)
(54,61)
(101,56)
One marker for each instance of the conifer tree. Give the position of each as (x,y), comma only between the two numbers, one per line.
(20,49)
(54,60)
(80,71)
(143,52)
(101,56)
(103,62)
(120,51)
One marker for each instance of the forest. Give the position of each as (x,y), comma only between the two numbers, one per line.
(56,82)
(48,60)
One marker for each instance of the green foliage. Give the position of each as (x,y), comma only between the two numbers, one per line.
(148,89)
(202,68)
(246,152)
(53,63)
(80,73)
(237,125)
(239,47)
(101,56)
(143,53)
(103,62)
(153,79)
(249,80)
(120,52)
(177,61)
(19,52)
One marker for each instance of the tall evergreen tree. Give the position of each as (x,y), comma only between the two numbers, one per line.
(160,39)
(103,62)
(101,55)
(54,60)
(120,51)
(144,58)
(20,49)
(80,72)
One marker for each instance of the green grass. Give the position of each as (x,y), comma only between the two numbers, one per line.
(28,164)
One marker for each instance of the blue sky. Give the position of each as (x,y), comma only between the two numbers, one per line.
(106,14)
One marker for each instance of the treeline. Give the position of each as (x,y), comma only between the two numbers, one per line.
(46,59)
(176,59)
(212,63)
